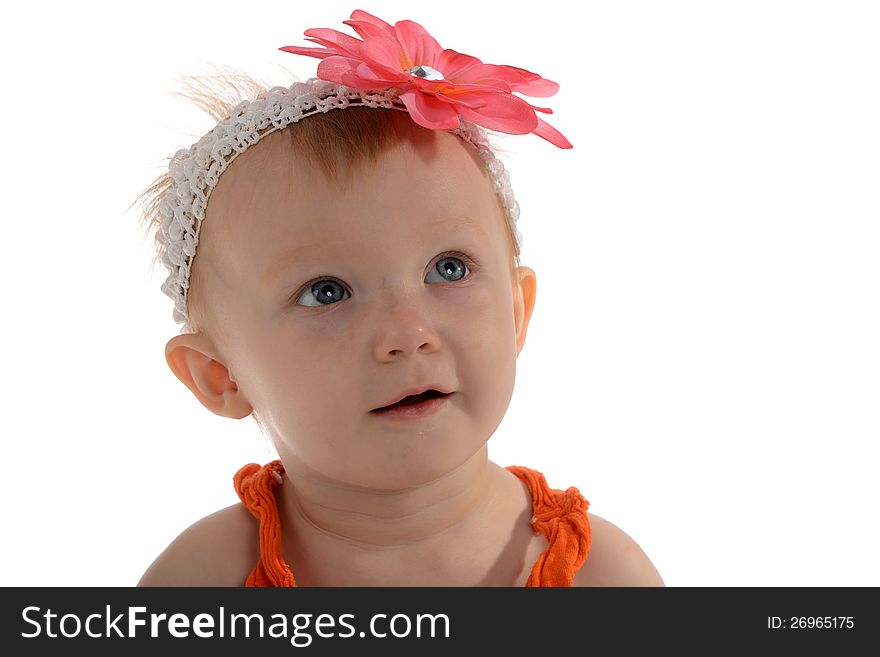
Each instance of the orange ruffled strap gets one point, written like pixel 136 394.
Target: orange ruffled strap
pixel 255 485
pixel 562 517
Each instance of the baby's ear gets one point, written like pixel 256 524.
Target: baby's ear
pixel 194 360
pixel 525 288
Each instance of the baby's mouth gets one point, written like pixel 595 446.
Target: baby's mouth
pixel 413 399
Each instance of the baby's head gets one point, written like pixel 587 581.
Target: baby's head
pixel 346 258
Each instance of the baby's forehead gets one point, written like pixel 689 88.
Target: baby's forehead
pixel 270 197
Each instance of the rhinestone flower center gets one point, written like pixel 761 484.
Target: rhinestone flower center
pixel 425 72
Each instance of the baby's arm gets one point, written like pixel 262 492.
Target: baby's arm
pixel 218 550
pixel 615 559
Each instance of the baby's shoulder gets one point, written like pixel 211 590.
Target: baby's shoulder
pixel 219 550
pixel 615 559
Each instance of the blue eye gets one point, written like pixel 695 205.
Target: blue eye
pixel 447 267
pixel 326 291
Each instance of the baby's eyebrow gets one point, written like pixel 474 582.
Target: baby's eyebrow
pixel 294 256
pixel 288 259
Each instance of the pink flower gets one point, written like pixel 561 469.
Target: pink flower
pixel 437 86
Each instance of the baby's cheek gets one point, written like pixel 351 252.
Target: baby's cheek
pixel 489 367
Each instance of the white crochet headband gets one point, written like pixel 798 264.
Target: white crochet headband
pixel 195 172
pixel 399 67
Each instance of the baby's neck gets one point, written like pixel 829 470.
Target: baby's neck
pixel 456 531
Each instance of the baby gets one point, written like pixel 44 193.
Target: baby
pixel 358 292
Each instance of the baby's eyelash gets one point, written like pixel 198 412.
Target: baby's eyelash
pixel 472 262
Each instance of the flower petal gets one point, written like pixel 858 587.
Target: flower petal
pixel 367 25
pixel 456 65
pixel 336 68
pixel 335 39
pixel 485 74
pixel 551 134
pixel 483 85
pixel 377 78
pixel 419 47
pixel 546 110
pixel 464 68
pixel 467 98
pixel 503 113
pixel 382 51
pixel 430 112
pixel 309 52
pixel 526 82
pixel 353 73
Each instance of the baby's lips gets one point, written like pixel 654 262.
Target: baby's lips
pixel 418 390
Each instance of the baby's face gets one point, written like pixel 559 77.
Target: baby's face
pixel 332 304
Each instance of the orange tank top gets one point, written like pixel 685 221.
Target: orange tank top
pixel 560 515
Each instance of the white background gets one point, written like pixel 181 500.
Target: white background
pixel 703 359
